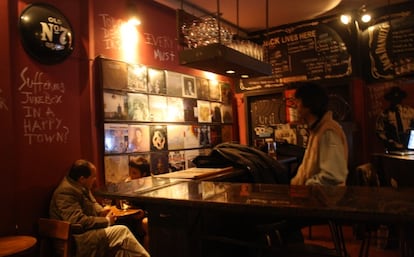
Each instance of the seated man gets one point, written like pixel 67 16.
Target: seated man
pixel 73 201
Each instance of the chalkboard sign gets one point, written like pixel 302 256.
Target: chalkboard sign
pixel 318 49
pixel 265 112
pixel 389 43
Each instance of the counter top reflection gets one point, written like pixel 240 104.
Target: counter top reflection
pixel 349 203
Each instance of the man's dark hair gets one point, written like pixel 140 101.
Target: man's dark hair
pixel 80 168
pixel 313 97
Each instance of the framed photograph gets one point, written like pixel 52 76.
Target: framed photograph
pixel 138 107
pixel 115 105
pixel 156 81
pixel 138 138
pixel 158 138
pixel 174 83
pixel 202 85
pixel 189 89
pixel 116 138
pixel 137 78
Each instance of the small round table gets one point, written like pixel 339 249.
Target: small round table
pixel 10 245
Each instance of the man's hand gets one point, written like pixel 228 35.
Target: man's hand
pixel 111 217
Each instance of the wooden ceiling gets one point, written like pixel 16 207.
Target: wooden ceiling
pixel 251 15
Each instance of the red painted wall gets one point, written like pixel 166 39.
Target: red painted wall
pixel 31 165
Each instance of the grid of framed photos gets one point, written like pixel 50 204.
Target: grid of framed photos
pixel 159 118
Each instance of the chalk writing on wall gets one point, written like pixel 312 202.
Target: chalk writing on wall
pixel 164 46
pixel 3 105
pixel 110 27
pixel 39 98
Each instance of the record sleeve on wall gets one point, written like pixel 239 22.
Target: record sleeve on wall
pixel 156 81
pixel 205 135
pixel 138 109
pixel 214 90
pixel 215 134
pixel 116 138
pixel 227 113
pixel 141 164
pixel 216 112
pixel 189 157
pixel 226 93
pixel 116 169
pixel 158 107
pixel 204 111
pixel 176 134
pixel 174 83
pixel 176 161
pixel 115 105
pixel 137 78
pixel 114 74
pixel 189 88
pixel 159 163
pixel 139 138
pixel 190 110
pixel 158 135
pixel 202 86
pixel 175 109
pixel 192 136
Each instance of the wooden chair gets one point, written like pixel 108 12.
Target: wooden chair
pixel 55 237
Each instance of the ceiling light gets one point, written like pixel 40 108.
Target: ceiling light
pixel 366 17
pixel 230 71
pixel 346 18
pixel 244 76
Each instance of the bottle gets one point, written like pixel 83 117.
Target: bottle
pixel 271 149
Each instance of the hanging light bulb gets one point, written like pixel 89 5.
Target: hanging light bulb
pixel 346 18
pixel 365 16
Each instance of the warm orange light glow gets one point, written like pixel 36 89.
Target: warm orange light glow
pixel 129 42
pixel 210 75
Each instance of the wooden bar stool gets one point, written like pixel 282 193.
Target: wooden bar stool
pixel 16 245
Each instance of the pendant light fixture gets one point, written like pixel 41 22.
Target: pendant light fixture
pixel 217 53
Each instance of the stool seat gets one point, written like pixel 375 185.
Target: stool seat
pixel 12 245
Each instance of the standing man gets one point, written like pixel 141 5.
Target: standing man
pixel 326 157
pixel 73 201
pixel 393 123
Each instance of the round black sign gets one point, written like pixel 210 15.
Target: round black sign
pixel 45 33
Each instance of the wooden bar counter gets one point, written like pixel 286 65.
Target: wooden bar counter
pixel 181 211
